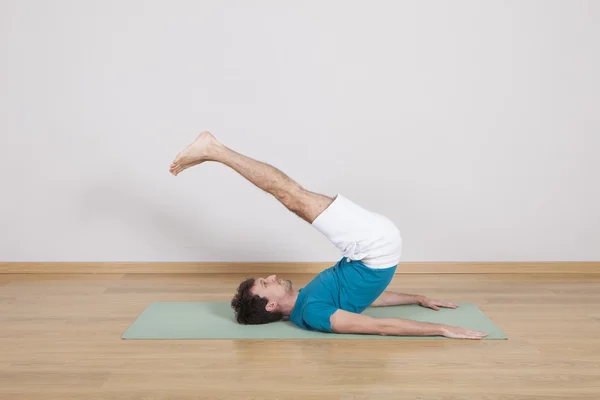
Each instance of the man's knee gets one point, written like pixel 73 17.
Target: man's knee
pixel 290 196
pixel 295 200
pixel 305 204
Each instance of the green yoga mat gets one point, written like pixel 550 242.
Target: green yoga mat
pixel 177 320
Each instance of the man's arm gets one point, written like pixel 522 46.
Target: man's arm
pixel 396 299
pixel 347 322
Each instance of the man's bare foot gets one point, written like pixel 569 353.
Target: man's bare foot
pixel 197 152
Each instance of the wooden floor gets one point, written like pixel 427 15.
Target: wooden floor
pixel 60 339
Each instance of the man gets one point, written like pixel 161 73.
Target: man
pixel 334 300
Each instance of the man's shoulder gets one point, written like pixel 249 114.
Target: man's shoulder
pixel 313 312
pixel 317 292
pixel 322 285
pixel 314 301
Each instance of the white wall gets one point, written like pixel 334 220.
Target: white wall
pixel 473 125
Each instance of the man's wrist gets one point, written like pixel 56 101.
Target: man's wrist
pixel 440 329
pixel 420 299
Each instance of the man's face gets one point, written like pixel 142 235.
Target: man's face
pixel 272 288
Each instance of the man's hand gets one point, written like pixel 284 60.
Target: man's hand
pixel 347 322
pixel 455 332
pixel 435 304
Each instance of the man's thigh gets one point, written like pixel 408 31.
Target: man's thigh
pixel 360 234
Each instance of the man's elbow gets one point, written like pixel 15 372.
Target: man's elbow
pixel 374 327
pixel 377 303
pixel 382 327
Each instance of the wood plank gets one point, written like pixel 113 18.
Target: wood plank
pixel 293 267
pixel 60 339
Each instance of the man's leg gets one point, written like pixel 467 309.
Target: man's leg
pixel 307 205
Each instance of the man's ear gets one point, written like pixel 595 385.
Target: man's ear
pixel 270 307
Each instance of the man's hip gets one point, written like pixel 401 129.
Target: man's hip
pixel 360 234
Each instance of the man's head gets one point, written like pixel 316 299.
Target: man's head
pixel 262 300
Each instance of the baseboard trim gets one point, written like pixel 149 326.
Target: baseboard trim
pixel 292 267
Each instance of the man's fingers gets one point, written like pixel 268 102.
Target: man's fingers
pixel 477 334
pixel 473 337
pixel 463 333
pixel 443 303
pixel 470 334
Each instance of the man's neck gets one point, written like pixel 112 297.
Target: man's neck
pixel 287 304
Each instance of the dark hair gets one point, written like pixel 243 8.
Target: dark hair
pixel 250 308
